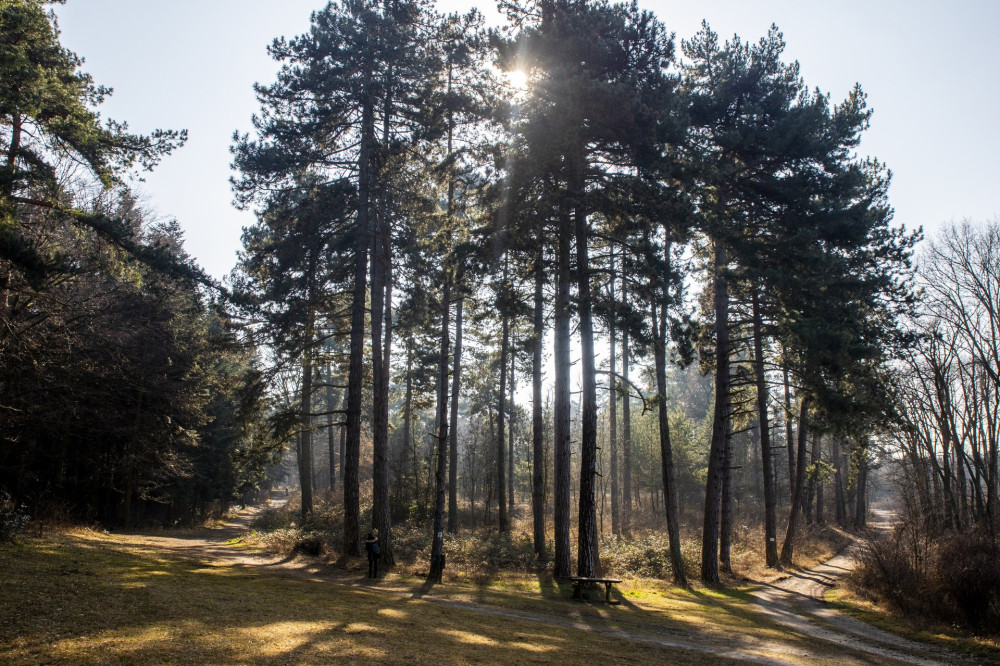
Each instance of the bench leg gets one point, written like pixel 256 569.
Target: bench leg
pixel 607 593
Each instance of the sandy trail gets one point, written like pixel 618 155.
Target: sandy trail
pixel 795 602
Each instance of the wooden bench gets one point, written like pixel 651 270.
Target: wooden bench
pixel 581 582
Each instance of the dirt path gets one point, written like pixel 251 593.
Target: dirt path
pixel 795 602
pixel 214 545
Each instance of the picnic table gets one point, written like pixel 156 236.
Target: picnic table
pixel 582 582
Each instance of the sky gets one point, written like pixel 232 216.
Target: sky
pixel 929 69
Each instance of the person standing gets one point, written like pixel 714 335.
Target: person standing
pixel 372 547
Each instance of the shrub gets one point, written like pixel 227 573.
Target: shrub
pixel 309 543
pixel 896 569
pixel 969 569
pixel 13 517
pixel 648 556
pixel 271 519
pixel 953 576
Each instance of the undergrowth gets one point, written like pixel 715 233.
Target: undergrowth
pixel 953 576
pixel 485 552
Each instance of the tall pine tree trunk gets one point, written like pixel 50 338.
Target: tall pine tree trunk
pixel 616 526
pixel 726 506
pixel 626 436
pixel 561 445
pixel 437 544
pixel 510 436
pixel 502 518
pixel 839 497
pixel 408 444
pixel 381 336
pixel 817 478
pixel 352 454
pixel 456 375
pixel 788 547
pixel 720 421
pixel 343 435
pixel 331 450
pixel 861 503
pixel 537 420
pixel 588 561
pixel 789 439
pixel 666 453
pixel 305 424
pixel 770 496
pixel 381 517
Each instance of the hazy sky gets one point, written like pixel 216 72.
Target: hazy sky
pixel 930 70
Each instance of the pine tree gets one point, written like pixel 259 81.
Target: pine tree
pixel 290 259
pixel 348 101
pixel 48 110
pixel 596 69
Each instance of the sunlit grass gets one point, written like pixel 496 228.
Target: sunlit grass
pixel 90 597
pixel 85 597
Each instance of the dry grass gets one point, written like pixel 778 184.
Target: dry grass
pixel 884 617
pixel 81 596
pixel 483 553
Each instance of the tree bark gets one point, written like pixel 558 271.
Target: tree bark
pixel 626 436
pixel 726 506
pixel 305 424
pixel 362 231
pixel 561 445
pixel 817 478
pixel 788 547
pixel 510 435
pixel 537 422
pixel 666 453
pixel 502 519
pixel 456 375
pixel 861 504
pixel 437 544
pixel 331 449
pixel 616 526
pixel 764 427
pixel 408 443
pixel 720 421
pixel 588 561
pixel 381 517
pixel 789 439
pixel 840 507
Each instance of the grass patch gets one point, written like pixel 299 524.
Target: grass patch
pixel 82 596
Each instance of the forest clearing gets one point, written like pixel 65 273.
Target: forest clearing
pixel 202 597
pixel 528 304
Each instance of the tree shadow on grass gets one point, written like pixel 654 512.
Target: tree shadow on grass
pixel 94 600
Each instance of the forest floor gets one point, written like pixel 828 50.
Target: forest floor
pixel 202 596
